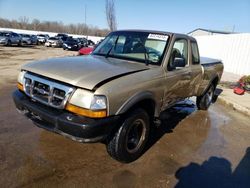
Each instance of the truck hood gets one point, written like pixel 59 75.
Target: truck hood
pixel 85 72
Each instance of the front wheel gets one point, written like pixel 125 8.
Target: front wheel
pixel 204 101
pixel 129 141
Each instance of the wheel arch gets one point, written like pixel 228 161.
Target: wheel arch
pixel 213 82
pixel 143 100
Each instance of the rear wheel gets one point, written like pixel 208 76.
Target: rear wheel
pixel 129 141
pixel 203 102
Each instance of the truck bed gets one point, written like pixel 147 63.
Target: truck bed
pixel 206 61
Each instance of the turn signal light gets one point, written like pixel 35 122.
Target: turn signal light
pixel 86 112
pixel 20 86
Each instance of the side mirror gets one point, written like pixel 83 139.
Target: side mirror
pixel 179 62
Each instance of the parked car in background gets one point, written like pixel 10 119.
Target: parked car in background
pixel 91 43
pixel 9 38
pixel 34 39
pixel 86 50
pixel 42 38
pixel 26 39
pixel 72 44
pixel 89 49
pixel 84 42
pixel 63 36
pixel 54 42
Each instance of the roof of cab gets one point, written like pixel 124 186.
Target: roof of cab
pixel 158 32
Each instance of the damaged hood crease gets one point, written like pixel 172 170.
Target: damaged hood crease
pixel 89 72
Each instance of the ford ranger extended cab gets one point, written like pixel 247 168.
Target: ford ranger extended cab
pixel 117 93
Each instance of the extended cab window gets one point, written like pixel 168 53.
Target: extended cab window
pixel 195 53
pixel 179 55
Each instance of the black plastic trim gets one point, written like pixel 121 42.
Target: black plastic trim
pixel 77 128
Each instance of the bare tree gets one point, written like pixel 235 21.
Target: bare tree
pixel 52 26
pixel 110 14
pixel 35 24
pixel 24 21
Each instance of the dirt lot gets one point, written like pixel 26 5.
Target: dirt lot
pixel 189 149
pixel 11 59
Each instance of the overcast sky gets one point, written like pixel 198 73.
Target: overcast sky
pixel 168 15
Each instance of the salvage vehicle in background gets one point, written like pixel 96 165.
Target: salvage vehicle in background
pixel 91 43
pixel 86 50
pixel 34 39
pixel 54 42
pixel 116 94
pixel 84 42
pixel 9 38
pixel 42 38
pixel 26 39
pixel 63 36
pixel 72 44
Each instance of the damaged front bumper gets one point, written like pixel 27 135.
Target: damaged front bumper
pixel 78 128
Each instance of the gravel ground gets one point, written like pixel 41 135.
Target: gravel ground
pixel 12 58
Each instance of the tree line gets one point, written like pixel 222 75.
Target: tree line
pixel 53 26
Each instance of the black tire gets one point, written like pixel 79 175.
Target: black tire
pixel 204 101
pixel 128 143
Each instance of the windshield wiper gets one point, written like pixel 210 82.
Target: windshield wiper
pixel 112 47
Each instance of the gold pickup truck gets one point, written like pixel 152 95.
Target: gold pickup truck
pixel 115 94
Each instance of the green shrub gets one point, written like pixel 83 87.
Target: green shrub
pixel 247 79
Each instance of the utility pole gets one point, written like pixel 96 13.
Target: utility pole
pixel 233 28
pixel 85 17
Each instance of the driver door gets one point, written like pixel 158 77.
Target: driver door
pixel 178 73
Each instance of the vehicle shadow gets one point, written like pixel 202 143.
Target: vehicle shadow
pixel 215 172
pixel 169 119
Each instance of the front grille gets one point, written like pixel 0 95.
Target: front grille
pixel 46 91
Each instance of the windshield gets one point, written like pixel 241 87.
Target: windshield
pixel 131 45
pixel 53 38
pixel 72 40
pixel 4 34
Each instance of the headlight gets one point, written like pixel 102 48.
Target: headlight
pixel 20 80
pixel 87 104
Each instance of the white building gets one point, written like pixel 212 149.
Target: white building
pixel 232 49
pixel 206 32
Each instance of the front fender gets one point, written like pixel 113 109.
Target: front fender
pixel 134 99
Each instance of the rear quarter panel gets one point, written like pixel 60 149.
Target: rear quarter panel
pixel 211 71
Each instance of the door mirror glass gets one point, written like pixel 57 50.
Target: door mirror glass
pixel 179 55
pixel 179 62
